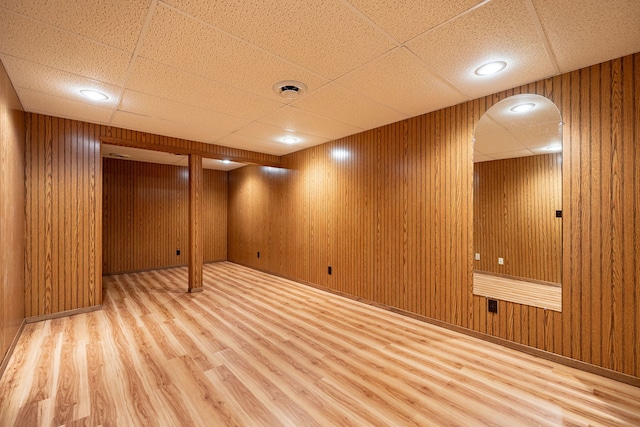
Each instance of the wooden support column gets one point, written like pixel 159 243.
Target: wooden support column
pixel 195 223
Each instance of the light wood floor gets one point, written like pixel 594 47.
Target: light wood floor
pixel 256 350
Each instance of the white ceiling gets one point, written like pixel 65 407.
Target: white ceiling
pixel 503 133
pixel 204 69
pixel 149 156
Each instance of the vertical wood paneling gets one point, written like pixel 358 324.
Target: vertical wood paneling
pixel 63 243
pixel 515 204
pixel 12 213
pixel 195 223
pixel 402 204
pixel 315 200
pixel 63 206
pixel 145 216
pixel 214 210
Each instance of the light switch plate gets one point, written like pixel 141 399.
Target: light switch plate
pixel 477 257
pixel 501 261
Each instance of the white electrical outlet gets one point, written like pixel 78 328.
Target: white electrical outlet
pixel 501 261
pixel 477 257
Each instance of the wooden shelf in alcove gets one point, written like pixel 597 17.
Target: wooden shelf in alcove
pixel 536 294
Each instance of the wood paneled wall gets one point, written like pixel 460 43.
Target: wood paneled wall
pixel 214 215
pixel 63 244
pixel 12 136
pixel 64 209
pixel 394 218
pixel 146 216
pixel 515 203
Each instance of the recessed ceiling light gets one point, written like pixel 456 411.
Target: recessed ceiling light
pixel 490 68
pixel 119 155
pixel 290 89
pixel 289 140
pixel 226 161
pixel 521 108
pixel 553 148
pixel 94 95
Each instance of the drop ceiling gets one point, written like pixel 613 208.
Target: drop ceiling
pixel 204 70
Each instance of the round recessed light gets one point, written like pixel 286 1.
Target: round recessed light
pixel 226 161
pixel 290 89
pixel 119 155
pixel 490 68
pixel 289 140
pixel 521 108
pixel 94 95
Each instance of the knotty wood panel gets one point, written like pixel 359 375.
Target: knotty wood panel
pixel 282 354
pixel 146 217
pixel 394 218
pixel 12 136
pixel 515 201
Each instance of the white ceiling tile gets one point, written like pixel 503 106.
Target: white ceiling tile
pixel 290 117
pixel 502 130
pixel 140 155
pixel 114 22
pixel 499 30
pixel 148 105
pixel 150 156
pixel 184 43
pixel 540 135
pixel 339 103
pixel 47 80
pixel 251 143
pixel 512 154
pixel 491 137
pixel 40 43
pixel 216 164
pixel 478 158
pixel 205 69
pixel 43 103
pixel 167 82
pixel 400 80
pixel 544 111
pixel 405 19
pixel 587 32
pixel 276 134
pixel 296 32
pixel 202 133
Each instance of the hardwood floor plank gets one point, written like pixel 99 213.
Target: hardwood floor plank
pixel 254 349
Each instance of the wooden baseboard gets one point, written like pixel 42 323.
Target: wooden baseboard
pixel 7 356
pixel 34 319
pixel 563 360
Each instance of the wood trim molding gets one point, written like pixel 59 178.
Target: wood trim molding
pixel 563 360
pixel 209 151
pixel 196 240
pixel 34 319
pixel 7 356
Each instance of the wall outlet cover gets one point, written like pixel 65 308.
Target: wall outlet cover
pixel 492 306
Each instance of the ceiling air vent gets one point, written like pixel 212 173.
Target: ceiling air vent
pixel 290 89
